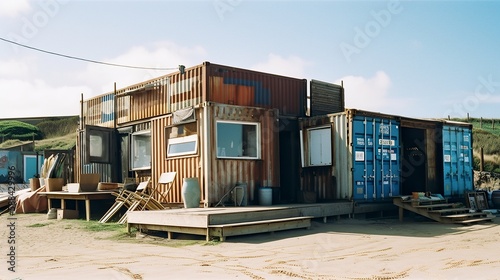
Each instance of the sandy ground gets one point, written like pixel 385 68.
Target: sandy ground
pixel 340 249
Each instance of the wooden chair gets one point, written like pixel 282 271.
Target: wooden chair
pixel 128 199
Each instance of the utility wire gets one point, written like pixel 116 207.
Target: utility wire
pixel 84 59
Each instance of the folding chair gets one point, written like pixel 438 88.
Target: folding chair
pixel 125 198
pixel 166 178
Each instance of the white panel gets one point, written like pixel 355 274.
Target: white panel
pixel 320 146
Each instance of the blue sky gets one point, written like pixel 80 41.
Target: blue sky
pixel 422 59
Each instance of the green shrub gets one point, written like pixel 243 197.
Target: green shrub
pixel 19 130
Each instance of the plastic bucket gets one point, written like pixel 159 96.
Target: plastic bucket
pixel 265 196
pixel 191 193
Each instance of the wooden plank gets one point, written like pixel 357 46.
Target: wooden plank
pixel 169 229
pixel 223 231
pixel 450 210
pixel 465 215
pixel 431 206
pixel 249 216
pixel 260 222
pixel 474 220
pixel 167 218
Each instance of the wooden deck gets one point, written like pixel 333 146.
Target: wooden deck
pixel 231 221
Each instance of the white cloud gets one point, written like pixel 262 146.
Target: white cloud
pixel 371 94
pixel 292 66
pixel 13 8
pixel 36 98
pixel 161 55
pixel 14 68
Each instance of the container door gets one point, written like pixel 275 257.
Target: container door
pixel 375 158
pixel 457 161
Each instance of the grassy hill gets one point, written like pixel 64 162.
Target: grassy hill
pixel 57 133
pixel 486 135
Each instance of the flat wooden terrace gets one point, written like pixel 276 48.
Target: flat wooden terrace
pixel 223 222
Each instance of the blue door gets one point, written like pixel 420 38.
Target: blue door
pixel 457 161
pixel 31 168
pixel 375 158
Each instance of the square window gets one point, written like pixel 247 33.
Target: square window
pixel 238 140
pixel 316 149
pixel 182 139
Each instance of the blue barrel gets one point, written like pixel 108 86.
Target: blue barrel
pixel 191 193
pixel 265 196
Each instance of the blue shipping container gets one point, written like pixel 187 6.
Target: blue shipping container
pixel 375 157
pixel 457 160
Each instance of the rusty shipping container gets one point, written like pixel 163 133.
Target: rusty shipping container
pixel 223 97
pixel 206 82
pixel 217 160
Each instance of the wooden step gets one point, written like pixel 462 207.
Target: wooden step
pixel 432 206
pixel 450 210
pixel 471 221
pixel 465 215
pixel 224 230
pixel 428 202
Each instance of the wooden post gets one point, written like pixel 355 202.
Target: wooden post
pixel 481 159
pixel 467 117
pixel 481 122
pixel 493 124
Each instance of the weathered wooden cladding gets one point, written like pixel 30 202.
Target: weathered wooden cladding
pixel 230 85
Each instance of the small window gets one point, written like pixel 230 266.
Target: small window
pixel 182 139
pixel 98 144
pixel 182 146
pixel 238 140
pixel 141 150
pixel 317 147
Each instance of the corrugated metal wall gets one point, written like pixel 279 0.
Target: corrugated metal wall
pixel 319 179
pixel 230 85
pixel 225 173
pixel 204 82
pixel 99 110
pixel 186 167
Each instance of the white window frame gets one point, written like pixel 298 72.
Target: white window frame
pixel 133 150
pixel 183 139
pixel 257 140
pixel 324 150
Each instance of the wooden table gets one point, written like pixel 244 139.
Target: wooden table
pixel 87 196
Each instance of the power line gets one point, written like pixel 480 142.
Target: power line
pixel 84 59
